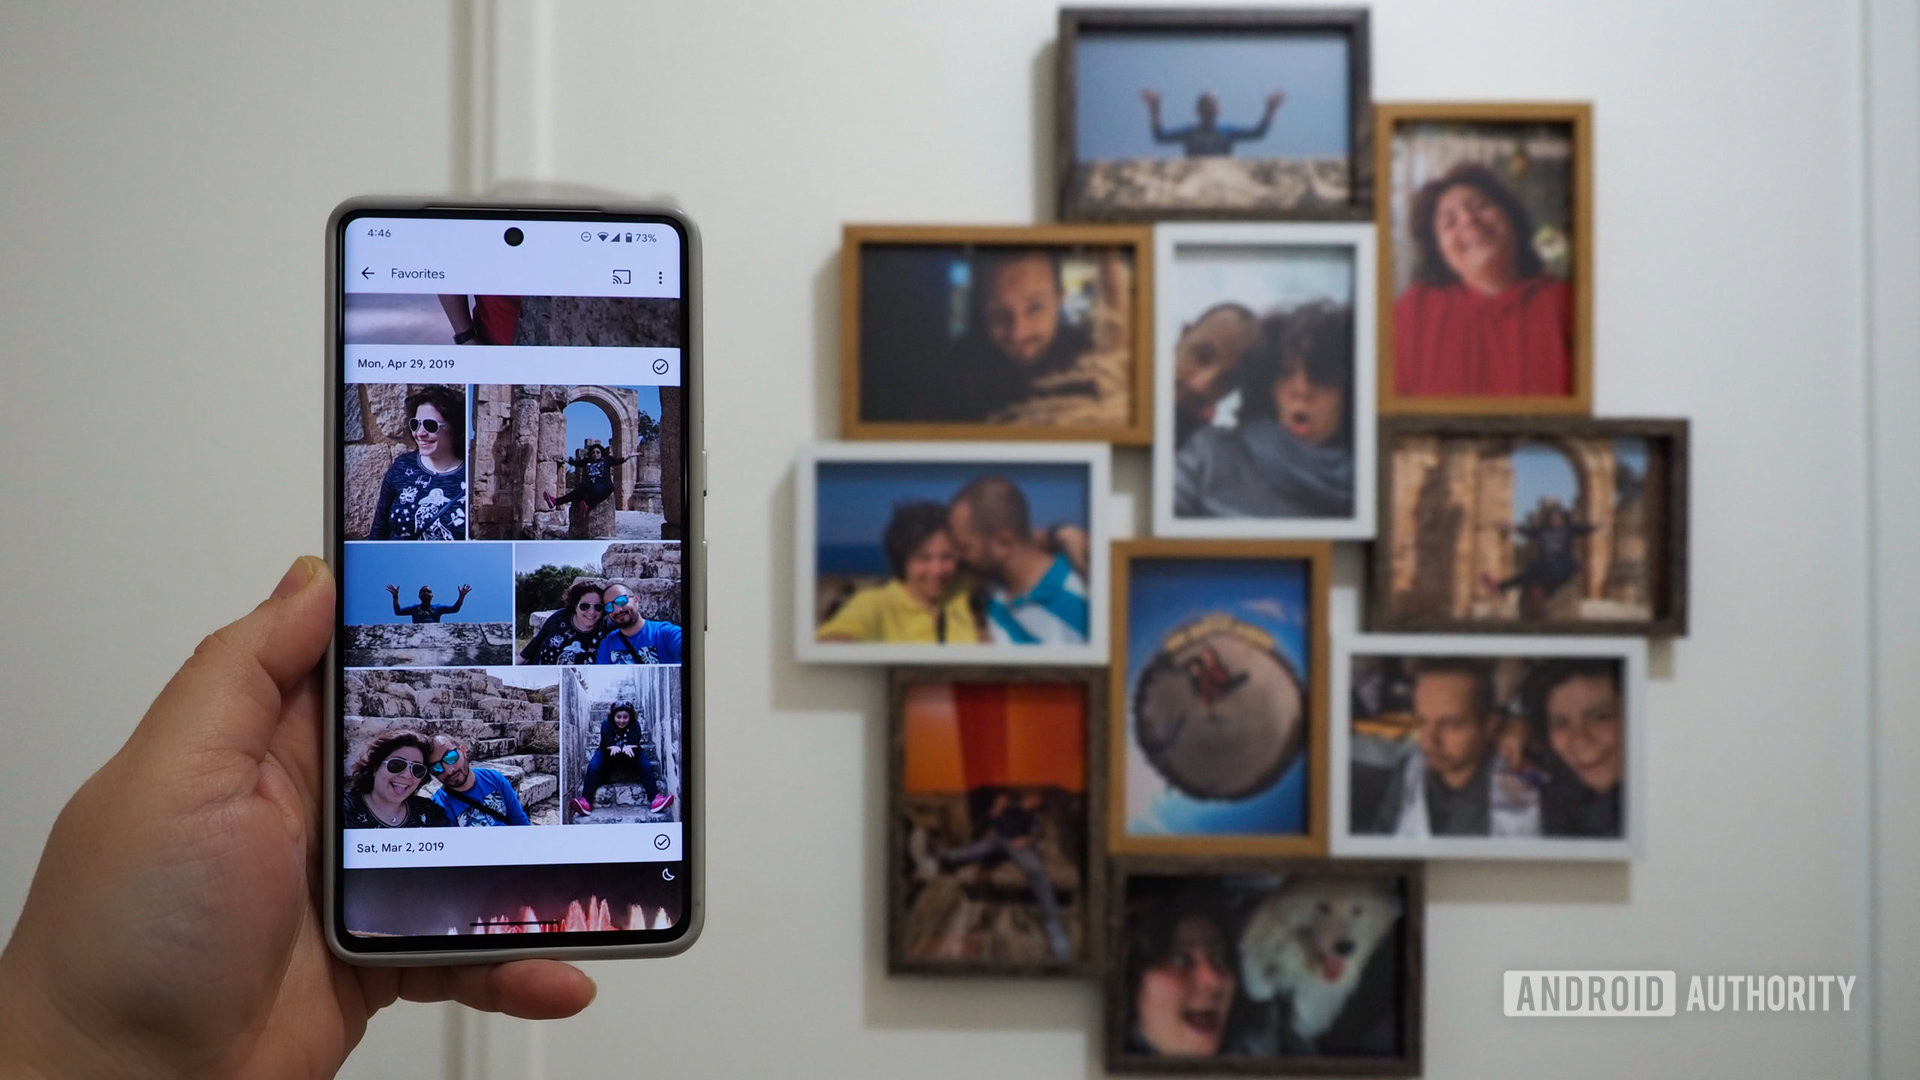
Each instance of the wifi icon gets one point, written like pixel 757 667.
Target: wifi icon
pixel 603 236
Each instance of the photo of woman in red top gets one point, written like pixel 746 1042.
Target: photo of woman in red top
pixel 1482 316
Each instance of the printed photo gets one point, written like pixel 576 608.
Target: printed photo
pixel 996 333
pixel 1290 967
pixel 1478 747
pixel 466 747
pixel 405 461
pixel 1485 237
pixel 1219 707
pixel 1564 525
pixel 1263 381
pixel 555 462
pixel 623 761
pixel 561 898
pixel 425 319
pixel 992 850
pixel 596 603
pixel 1254 114
pixel 427 605
pixel 950 555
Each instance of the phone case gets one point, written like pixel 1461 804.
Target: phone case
pixel 694 562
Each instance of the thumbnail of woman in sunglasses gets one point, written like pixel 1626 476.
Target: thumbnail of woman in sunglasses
pixel 382 788
pixel 424 494
pixel 572 634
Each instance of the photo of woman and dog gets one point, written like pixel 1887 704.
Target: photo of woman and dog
pixel 1313 962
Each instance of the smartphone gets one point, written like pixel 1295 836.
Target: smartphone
pixel 514 504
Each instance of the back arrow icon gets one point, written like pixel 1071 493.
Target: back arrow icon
pixel 367 272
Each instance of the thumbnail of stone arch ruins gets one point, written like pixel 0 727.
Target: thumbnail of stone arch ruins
pixel 520 456
pixel 1534 530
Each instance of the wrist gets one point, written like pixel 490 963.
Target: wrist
pixel 42 1040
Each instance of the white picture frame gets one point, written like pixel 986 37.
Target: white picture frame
pixel 1356 238
pixel 1095 458
pixel 1631 652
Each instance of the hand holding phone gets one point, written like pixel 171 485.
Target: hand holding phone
pixel 201 887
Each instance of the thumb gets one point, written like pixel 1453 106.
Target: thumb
pixel 226 698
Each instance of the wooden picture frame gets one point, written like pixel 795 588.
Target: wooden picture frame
pixel 1092 460
pixel 1578 117
pixel 856 240
pixel 1411 879
pixel 1631 656
pixel 1093 868
pixel 1351 23
pixel 1312 841
pixel 1664 540
pixel 1169 315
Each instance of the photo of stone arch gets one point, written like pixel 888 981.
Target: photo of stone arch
pixel 576 462
pixel 1543 525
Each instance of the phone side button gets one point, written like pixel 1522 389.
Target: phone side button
pixel 706 620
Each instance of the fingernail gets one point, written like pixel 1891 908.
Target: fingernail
pixel 296 576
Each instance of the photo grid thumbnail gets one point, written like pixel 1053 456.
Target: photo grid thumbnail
pixel 512 638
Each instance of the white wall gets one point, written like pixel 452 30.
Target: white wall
pixel 179 405
pixel 1893 360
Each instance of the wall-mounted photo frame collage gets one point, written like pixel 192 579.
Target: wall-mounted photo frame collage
pixel 1165 761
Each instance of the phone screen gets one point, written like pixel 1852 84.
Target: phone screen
pixel 512 514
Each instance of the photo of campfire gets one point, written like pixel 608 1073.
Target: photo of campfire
pixel 441 901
